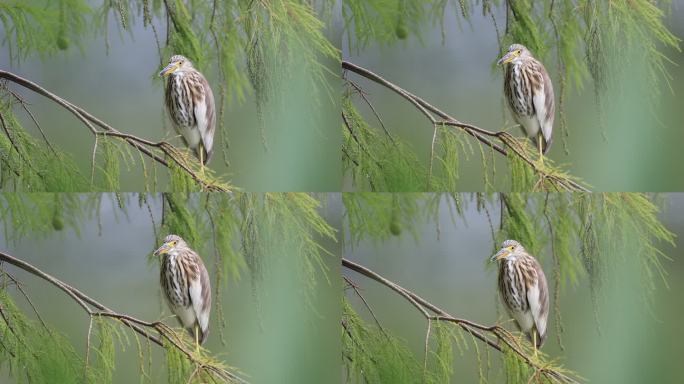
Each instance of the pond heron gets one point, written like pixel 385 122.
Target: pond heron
pixel 523 290
pixel 186 286
pixel 190 103
pixel 529 93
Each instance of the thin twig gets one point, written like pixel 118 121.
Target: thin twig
pixel 432 155
pixel 24 104
pixel 87 358
pixel 28 299
pixel 362 93
pixel 365 302
pixel 425 352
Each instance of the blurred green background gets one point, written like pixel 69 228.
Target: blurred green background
pixel 638 150
pixel 121 86
pixel 275 339
pixel 633 345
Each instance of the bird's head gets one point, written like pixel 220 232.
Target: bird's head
pixel 171 244
pixel 508 248
pixel 515 52
pixel 177 64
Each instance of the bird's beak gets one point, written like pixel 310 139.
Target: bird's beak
pixel 171 68
pixel 162 250
pixel 507 58
pixel 500 255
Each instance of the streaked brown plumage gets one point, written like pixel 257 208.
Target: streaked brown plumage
pixel 523 290
pixel 190 103
pixel 529 95
pixel 186 285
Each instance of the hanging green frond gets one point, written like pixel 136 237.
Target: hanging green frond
pixel 103 351
pixel 27 164
pixel 42 26
pixel 225 226
pixel 180 218
pixel 376 161
pixel 294 220
pixel 441 361
pixel 180 180
pixel 450 146
pixel 524 29
pixel 621 225
pixel 379 215
pixel 178 367
pixel 34 354
pixel 522 175
pixel 39 214
pixel 110 166
pixel 372 356
pixel 387 21
pixel 515 368
pixel 518 224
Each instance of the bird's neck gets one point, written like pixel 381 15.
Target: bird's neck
pixel 510 260
pixel 179 73
pixel 170 255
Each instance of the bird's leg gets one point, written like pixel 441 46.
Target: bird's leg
pixel 539 145
pixel 201 155
pixel 196 338
pixel 534 342
pixel 201 158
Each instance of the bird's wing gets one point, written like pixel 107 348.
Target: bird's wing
pixel 543 100
pixel 206 118
pixel 538 300
pixel 169 101
pixel 200 297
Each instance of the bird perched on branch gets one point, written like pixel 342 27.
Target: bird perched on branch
pixel 529 94
pixel 523 290
pixel 190 103
pixel 186 286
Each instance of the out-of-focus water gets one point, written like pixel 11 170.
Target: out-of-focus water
pixel 456 74
pixel 277 338
pixel 452 272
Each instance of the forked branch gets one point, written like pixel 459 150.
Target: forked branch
pixel 156 332
pixel 493 336
pixel 506 142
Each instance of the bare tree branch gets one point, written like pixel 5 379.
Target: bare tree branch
pixel 157 332
pixel 508 142
pixel 492 336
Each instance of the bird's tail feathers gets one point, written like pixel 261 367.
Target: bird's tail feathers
pixel 546 144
